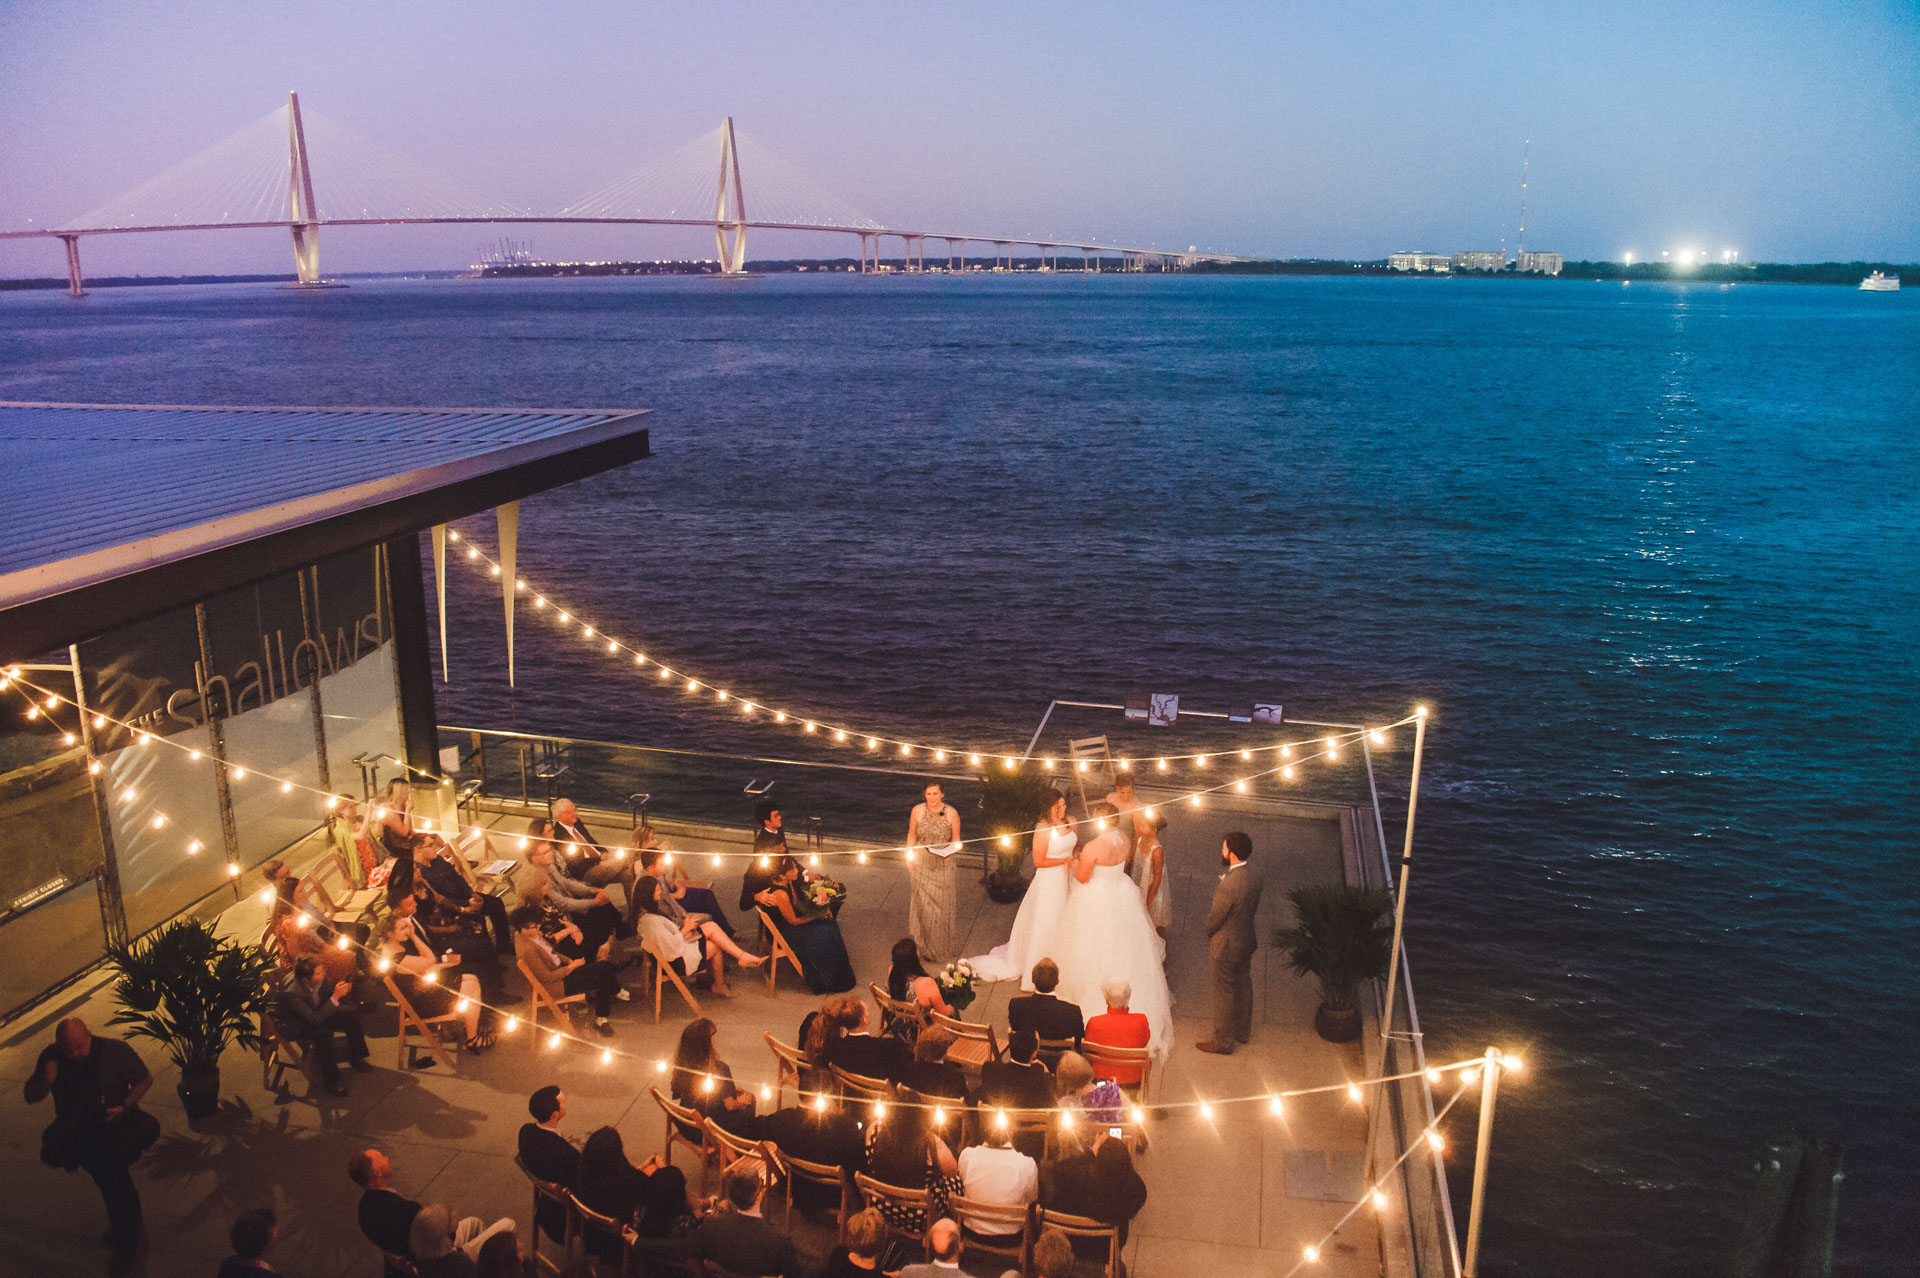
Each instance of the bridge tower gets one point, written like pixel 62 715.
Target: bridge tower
pixel 300 208
pixel 729 231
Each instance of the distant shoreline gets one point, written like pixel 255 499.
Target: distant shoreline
pixel 1847 274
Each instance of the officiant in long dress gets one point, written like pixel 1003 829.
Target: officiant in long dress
pixel 933 834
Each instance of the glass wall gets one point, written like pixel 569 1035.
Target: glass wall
pixel 286 682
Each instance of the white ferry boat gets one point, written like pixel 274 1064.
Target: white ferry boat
pixel 1880 282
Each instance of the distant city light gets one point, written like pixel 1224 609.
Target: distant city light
pixel 1628 259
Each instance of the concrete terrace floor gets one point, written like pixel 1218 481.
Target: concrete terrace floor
pixel 1219 1194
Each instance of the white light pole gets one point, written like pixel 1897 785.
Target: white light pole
pixel 1406 861
pixel 1492 1065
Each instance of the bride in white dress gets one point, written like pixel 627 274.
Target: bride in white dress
pixel 1106 932
pixel 1036 929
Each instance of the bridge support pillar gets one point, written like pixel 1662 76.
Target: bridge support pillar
pixel 76 286
pixel 300 207
pixel 730 233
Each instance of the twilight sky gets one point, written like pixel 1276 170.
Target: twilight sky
pixel 1787 131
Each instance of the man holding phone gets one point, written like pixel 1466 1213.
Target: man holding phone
pixel 313 1013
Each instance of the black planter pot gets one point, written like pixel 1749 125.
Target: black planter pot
pixel 1337 1025
pixel 199 1089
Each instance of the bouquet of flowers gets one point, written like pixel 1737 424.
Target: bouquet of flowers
pixel 956 984
pixel 825 892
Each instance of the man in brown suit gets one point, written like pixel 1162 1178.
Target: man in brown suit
pixel 1230 944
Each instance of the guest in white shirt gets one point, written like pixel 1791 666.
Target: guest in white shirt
pixel 943 1240
pixel 999 1174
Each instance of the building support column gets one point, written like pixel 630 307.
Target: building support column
pixel 412 658
pixel 113 910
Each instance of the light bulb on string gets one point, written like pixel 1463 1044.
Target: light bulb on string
pixel 99 722
pixel 939 756
pixel 587 632
pixel 820 1103
pixel 1278 1107
pixel 453 534
pixel 1436 1140
pixel 1009 762
pixel 1377 737
pixel 1287 772
pixel 779 716
pixel 1379 1201
pixel 193 847
pixel 512 1024
pixel 93 767
pixel 612 646
pixel 1470 1075
pixel 1047 763
pixel 639 658
pixel 496 570
pixel 1353 1093
pixel 811 727
pixel 540 602
pixel 1206 1111
pixel 1200 761
pixel 472 553
pixel 606 1056
pixel 659 1067
pixel 67 738
pixel 839 734
pixel 1312 1253
pixel 566 617
pixel 233 870
pixel 872 742
pixel 1161 764
pixel 193 755
pixel 1286 752
pixel 286 787
pixel 53 703
pixel 973 759
pixel 863 858
pixel 553 1043
pixel 716 860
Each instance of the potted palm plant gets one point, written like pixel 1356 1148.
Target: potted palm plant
pixel 1341 937
pixel 193 993
pixel 1010 803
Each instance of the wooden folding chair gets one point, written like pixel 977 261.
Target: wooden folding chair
pixel 538 997
pixel 789 1064
pixel 279 1053
pixel 547 1191
pixel 1011 1235
pixel 973 1045
pixel 593 1226
pixel 681 1120
pixel 663 971
pixel 1091 751
pixel 413 1025
pixel 731 1151
pixel 860 1087
pixel 1049 1051
pixel 875 1191
pixel 1083 1227
pixel 472 848
pixel 892 1009
pixel 398 1265
pixel 779 949
pixel 824 1174
pixel 1127 1059
pixel 344 903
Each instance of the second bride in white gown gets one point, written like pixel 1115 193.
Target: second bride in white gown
pixel 1106 932
pixel 1036 928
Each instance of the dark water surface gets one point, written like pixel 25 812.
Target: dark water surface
pixel 1649 552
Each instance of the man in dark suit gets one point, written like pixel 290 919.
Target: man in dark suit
pixel 549 1155
pixel 587 859
pixel 769 846
pixel 859 1052
pixel 738 1239
pixel 312 1012
pixel 1041 1012
pixel 1230 945
pixel 1019 1082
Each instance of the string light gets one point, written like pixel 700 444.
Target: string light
pixel 1278 1106
pixel 193 847
pixel 1353 1093
pixel 606 1056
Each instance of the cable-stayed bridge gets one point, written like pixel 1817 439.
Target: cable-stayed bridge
pixel 301 172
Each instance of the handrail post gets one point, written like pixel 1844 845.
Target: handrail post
pixel 1489 1089
pixel 1406 861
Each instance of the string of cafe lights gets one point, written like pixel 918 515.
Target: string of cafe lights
pixel 44 701
pixel 759 711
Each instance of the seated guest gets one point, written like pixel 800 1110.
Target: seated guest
pixel 691 942
pixel 560 976
pixel 501 1257
pixel 1053 1255
pixel 865 1239
pixel 435 1254
pixel 827 1138
pixel 1118 1027
pixel 589 907
pixel 809 929
pixel 585 857
pixel 770 848
pixel 252 1235
pixel 433 862
pixel 737 1239
pixel 1101 1185
pixel 1019 1082
pixel 1041 1012
pixel 445 928
pixel 931 1073
pixel 310 1010
pixel 943 1244
pixel 1097 1100
pixel 545 1153
pixel 997 1173
pixel 651 1198
pixel 858 1052
pixel 390 822
pixel 820 1029
pixel 908 982
pixel 704 1083
pixel 302 935
pixel 430 985
pixel 686 896
pixel 387 1219
pixel 906 1151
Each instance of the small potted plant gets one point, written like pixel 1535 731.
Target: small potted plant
pixel 1010 804
pixel 193 993
pixel 1341 938
pixel 956 985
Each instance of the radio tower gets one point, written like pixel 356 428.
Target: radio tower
pixel 1526 158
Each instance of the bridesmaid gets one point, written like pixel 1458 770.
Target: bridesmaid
pixel 930 910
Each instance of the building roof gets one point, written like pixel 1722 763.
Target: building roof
pixel 110 512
